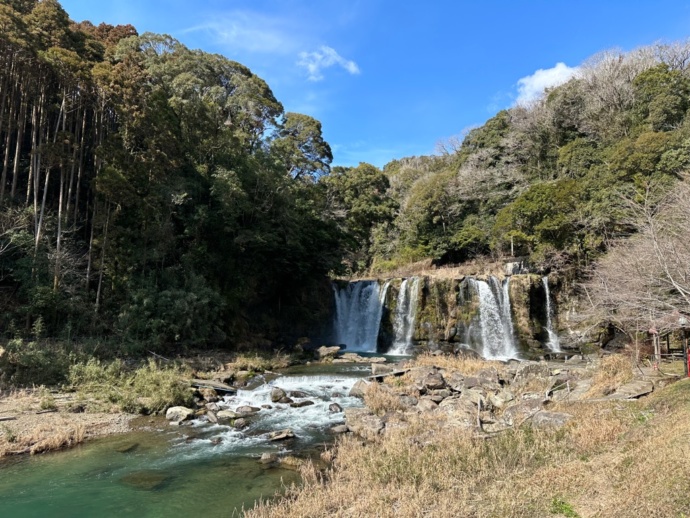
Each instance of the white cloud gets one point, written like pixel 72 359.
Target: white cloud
pixel 530 88
pixel 245 31
pixel 324 57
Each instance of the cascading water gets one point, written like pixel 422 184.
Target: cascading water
pixel 405 316
pixel 498 341
pixel 358 309
pixel 553 343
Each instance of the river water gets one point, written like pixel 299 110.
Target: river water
pixel 200 468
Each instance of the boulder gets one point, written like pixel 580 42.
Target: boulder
pixel 301 404
pixel 408 401
pixel 379 368
pixel 455 381
pixel 212 418
pixel 358 389
pixel 212 407
pixel 227 414
pixel 434 381
pixel 632 390
pixel 240 423
pixel 419 374
pixel 516 414
pixel 528 370
pixel 362 422
pixel 324 353
pixel 247 410
pixel 277 394
pixel 341 428
pixel 460 411
pixel 501 398
pixel 298 394
pixel 426 405
pixel 179 413
pixel 285 400
pixel 545 419
pixel 335 407
pixel 281 435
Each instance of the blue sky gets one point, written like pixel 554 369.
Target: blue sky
pixel 388 78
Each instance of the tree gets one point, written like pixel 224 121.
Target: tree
pixel 300 146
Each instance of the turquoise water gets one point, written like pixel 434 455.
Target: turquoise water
pixel 198 468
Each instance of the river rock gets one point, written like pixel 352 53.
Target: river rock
pixel 301 404
pixel 335 407
pixel 277 394
pixel 286 400
pixel 324 353
pixel 544 419
pixel 362 422
pixel 268 458
pixel 341 428
pixel 179 413
pixel 298 394
pixel 148 480
pixel 379 368
pixel 240 423
pixel 212 407
pixel 358 389
pixel 227 414
pixel 212 418
pixel 127 448
pixel 281 435
pixel 247 410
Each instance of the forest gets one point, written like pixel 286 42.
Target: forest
pixel 154 197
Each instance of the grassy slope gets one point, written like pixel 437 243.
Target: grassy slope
pixel 615 459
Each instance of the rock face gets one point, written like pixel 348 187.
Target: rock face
pixel 179 413
pixel 448 316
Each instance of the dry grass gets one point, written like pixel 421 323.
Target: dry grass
pixel 612 459
pixel 259 362
pixel 381 399
pixel 463 364
pixel 44 437
pixel 613 371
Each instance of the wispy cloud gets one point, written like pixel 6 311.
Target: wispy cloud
pixel 245 31
pixel 325 57
pixel 531 87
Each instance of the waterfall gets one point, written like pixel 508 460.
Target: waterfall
pixel 358 309
pixel 553 343
pixel 405 316
pixel 498 340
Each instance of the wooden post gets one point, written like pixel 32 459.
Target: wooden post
pixel 685 353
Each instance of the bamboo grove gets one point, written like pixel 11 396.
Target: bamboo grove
pixel 150 193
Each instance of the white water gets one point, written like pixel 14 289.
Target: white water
pixel 498 341
pixel 358 310
pixel 405 316
pixel 554 343
pixel 309 423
